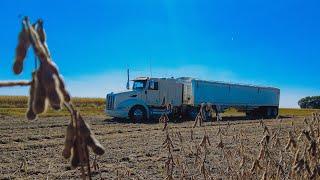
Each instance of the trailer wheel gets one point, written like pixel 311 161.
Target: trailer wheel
pixel 271 112
pixel 250 114
pixel 138 114
pixel 275 112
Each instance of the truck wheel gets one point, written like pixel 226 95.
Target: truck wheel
pixel 271 112
pixel 138 114
pixel 275 112
pixel 249 114
pixel 193 113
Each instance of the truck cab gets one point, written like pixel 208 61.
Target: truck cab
pixel 147 98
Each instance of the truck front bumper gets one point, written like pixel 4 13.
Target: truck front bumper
pixel 117 113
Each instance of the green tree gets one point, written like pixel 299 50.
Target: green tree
pixel 310 102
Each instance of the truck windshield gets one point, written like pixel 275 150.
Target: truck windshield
pixel 139 85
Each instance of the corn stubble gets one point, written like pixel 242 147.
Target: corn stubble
pixel 47 88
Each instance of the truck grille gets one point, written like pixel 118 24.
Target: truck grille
pixel 110 101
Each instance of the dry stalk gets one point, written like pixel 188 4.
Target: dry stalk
pixel 169 163
pixel 200 116
pixel 164 117
pixel 255 166
pixel 291 141
pixel 15 83
pixel 201 156
pixel 47 86
pixel 220 144
pixel 191 134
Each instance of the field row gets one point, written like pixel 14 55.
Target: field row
pixel 32 149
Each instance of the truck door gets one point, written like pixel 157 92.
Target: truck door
pixel 153 93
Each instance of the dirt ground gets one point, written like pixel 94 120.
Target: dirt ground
pixel 32 149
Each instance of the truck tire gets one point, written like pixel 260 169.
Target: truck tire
pixel 258 113
pixel 270 112
pixel 274 112
pixel 138 114
pixel 193 112
pixel 250 114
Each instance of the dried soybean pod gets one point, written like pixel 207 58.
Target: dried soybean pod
pixel 50 85
pixel 36 43
pixel 31 115
pixel 54 94
pixel 40 31
pixel 75 159
pixel 42 36
pixel 70 135
pixel 90 139
pixel 39 103
pixel 84 127
pixel 63 90
pixel 21 50
pixel 53 84
pixel 49 71
pixel 94 144
pixel 46 70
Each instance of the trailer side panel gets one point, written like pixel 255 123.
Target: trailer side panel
pixel 228 94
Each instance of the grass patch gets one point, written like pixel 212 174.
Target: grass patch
pixel 297 112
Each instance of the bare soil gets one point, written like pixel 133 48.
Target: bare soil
pixel 32 149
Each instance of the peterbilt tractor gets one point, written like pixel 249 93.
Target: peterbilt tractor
pixel 149 96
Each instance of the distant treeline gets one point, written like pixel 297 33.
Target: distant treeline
pixel 310 102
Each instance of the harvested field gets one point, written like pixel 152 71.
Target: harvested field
pixel 32 149
pixel 287 147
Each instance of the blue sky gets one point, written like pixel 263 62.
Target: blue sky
pixel 274 43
